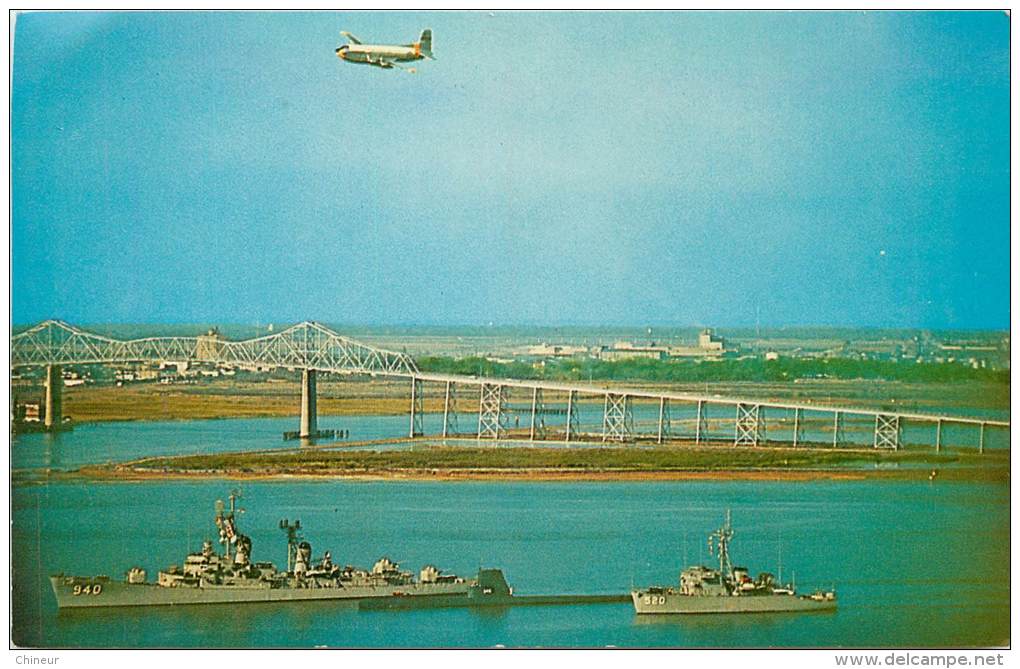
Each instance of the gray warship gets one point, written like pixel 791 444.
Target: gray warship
pixel 209 577
pixel 727 589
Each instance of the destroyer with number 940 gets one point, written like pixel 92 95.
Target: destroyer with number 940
pixel 209 577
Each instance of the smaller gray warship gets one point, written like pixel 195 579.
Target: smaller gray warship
pixel 728 589
pixel 232 577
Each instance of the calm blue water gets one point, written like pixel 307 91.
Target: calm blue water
pixel 93 443
pixel 915 564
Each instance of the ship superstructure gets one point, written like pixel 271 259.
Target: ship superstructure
pixel 209 577
pixel 727 589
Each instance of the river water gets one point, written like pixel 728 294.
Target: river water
pixel 915 564
pixel 94 443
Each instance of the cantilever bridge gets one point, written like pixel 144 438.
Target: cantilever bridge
pixel 306 345
pixel 315 348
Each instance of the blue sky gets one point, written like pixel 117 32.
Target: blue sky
pixel 567 168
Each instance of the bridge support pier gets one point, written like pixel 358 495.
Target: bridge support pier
pixel 309 428
pixel 700 428
pixel 981 442
pixel 796 427
pixel 617 421
pixel 490 411
pixel 449 411
pixel 417 408
pixel 938 437
pixel 750 429
pixel 887 432
pixel 664 422
pixel 537 415
pixel 54 407
pixel 571 417
pixel 837 429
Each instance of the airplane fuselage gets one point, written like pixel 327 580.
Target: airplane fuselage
pixel 377 54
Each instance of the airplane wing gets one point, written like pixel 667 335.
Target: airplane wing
pixel 351 38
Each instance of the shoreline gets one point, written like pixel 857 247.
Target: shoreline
pixel 136 474
pixel 513 462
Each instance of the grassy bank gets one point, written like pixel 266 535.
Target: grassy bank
pixel 152 402
pixel 475 462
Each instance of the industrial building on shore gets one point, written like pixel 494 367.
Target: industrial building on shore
pixel 709 347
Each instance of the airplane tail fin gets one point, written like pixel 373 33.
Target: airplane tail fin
pixel 426 43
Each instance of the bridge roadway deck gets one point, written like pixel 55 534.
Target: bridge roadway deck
pixel 312 346
pixel 591 389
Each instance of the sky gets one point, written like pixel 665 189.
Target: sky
pixel 582 168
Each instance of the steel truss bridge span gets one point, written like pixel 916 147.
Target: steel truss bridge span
pixel 306 345
pixel 746 415
pixel 646 394
pixel 313 348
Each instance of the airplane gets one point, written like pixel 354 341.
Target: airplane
pixel 386 56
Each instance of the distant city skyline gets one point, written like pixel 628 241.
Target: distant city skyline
pixel 846 169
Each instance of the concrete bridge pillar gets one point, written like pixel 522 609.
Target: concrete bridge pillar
pixel 54 398
pixel 309 419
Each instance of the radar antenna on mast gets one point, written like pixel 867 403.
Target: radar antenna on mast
pixel 722 538
pixel 293 538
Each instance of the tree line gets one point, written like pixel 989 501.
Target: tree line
pixel 686 371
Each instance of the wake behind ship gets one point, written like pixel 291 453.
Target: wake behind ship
pixel 209 577
pixel 728 589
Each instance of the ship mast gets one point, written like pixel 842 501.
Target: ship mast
pixel 230 520
pixel 221 528
pixel 780 560
pixel 292 540
pixel 722 538
pixel 225 524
